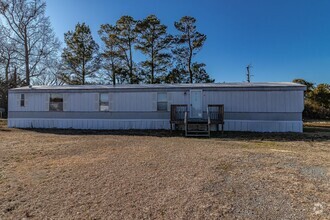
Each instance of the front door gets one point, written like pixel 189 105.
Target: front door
pixel 196 110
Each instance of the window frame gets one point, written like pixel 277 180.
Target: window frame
pixel 53 103
pixel 22 100
pixel 100 102
pixel 162 102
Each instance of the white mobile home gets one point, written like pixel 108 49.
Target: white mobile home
pixel 261 107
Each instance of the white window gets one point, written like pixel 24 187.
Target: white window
pixel 22 100
pixel 162 101
pixel 56 102
pixel 104 102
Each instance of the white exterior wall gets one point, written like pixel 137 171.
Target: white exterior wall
pixel 80 102
pixel 33 102
pixel 133 101
pixel 234 101
pixel 256 101
pixel 86 102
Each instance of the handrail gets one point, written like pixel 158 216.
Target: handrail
pixel 217 115
pixel 185 117
pixel 208 122
pixel 186 122
pixel 177 112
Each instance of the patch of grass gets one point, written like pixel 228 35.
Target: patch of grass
pixel 223 167
pixel 315 129
pixel 254 144
pixel 317 124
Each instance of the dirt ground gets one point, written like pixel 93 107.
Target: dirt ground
pixel 57 174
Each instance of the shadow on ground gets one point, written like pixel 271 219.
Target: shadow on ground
pixel 310 134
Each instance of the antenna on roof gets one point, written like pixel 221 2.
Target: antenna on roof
pixel 248 74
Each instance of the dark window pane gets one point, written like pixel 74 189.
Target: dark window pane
pixel 161 106
pixel 56 97
pixel 56 102
pixel 56 106
pixel 22 100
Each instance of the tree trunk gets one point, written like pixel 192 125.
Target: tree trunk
pixel 83 67
pixel 7 69
pixel 15 78
pixel 83 72
pixel 113 73
pixel 130 63
pixel 152 66
pixel 189 59
pixel 190 71
pixel 27 58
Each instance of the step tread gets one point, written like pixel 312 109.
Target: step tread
pixel 197 135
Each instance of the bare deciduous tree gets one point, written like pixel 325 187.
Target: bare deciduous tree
pixel 32 34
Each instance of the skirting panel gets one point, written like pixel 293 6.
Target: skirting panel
pixel 108 124
pixel 263 126
pixel 93 124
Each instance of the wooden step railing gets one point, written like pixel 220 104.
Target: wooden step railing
pixel 214 115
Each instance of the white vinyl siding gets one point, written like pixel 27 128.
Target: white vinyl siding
pixel 256 101
pixel 133 101
pixel 65 101
pixel 82 102
pixel 234 101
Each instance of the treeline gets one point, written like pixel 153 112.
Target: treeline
pixel 30 53
pixel 317 100
pixel 167 58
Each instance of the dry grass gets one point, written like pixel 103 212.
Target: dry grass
pixel 58 174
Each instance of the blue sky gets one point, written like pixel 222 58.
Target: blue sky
pixel 282 39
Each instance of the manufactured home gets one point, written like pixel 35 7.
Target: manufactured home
pixel 258 107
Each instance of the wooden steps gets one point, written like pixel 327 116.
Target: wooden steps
pixel 197 129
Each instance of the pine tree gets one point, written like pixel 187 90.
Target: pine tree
pixel 81 58
pixel 126 27
pixel 112 52
pixel 188 43
pixel 176 75
pixel 154 42
pixel 199 74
